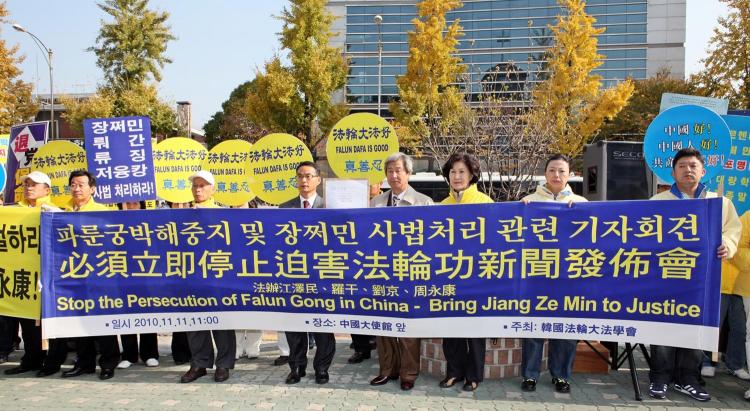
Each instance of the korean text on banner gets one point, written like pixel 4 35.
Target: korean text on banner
pixel 19 262
pixel 643 271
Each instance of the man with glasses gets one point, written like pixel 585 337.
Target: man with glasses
pixel 308 180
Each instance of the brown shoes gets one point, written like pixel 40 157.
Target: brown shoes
pixel 193 374
pixel 221 374
pixel 382 379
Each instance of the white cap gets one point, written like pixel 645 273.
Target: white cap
pixel 37 177
pixel 206 175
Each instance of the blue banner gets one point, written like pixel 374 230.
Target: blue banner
pixel 118 151
pixel 635 271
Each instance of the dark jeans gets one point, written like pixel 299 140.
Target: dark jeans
pixel 733 311
pixel 562 353
pixel 362 343
pixel 465 358
pixel 669 364
pixel 6 336
pixel 148 347
pixel 180 347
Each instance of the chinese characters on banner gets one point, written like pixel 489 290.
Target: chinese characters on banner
pixel 119 156
pixel 644 271
pixel 683 127
pixel 25 141
pixel 19 262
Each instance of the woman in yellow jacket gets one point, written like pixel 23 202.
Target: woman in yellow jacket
pixel 465 356
pixel 741 286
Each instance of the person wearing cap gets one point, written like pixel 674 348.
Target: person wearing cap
pixel 82 188
pixel 36 194
pixel 201 346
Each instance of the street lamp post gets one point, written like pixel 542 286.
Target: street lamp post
pixel 379 22
pixel 48 58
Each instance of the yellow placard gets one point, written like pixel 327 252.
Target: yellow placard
pixel 4 141
pixel 58 159
pixel 228 161
pixel 273 164
pixel 175 160
pixel 358 145
pixel 20 263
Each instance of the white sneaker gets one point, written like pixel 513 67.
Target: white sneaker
pixel 741 374
pixel 124 364
pixel 708 371
pixel 152 362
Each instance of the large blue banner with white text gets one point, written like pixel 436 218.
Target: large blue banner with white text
pixel 631 271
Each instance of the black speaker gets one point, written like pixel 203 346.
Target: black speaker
pixel 616 170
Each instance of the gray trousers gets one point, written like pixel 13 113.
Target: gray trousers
pixel 202 348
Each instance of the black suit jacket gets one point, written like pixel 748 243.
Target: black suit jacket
pixel 296 203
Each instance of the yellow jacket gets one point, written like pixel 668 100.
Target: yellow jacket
pixel 210 203
pixel 544 194
pixel 91 205
pixel 740 264
pixel 39 201
pixel 731 228
pixel 471 195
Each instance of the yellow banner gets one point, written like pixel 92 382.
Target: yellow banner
pixel 273 165
pixel 20 262
pixel 175 160
pixel 358 145
pixel 228 162
pixel 58 159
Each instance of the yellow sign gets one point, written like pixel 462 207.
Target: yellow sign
pixel 228 162
pixel 20 263
pixel 358 145
pixel 176 159
pixel 273 164
pixel 58 159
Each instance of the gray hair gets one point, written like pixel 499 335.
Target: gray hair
pixel 406 161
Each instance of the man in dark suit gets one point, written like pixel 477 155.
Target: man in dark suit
pixel 308 180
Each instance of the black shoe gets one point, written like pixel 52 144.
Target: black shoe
pixel 192 374
pixel 18 370
pixel 528 385
pixel 221 374
pixel 470 386
pixel 382 379
pixel 358 357
pixel 3 359
pixel 450 381
pixel 106 374
pixel 46 372
pixel 76 371
pixel 283 359
pixel 293 378
pixel 406 385
pixel 321 378
pixel 561 385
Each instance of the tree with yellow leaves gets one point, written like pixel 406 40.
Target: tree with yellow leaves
pixel 298 99
pixel 16 105
pixel 572 98
pixel 727 67
pixel 430 105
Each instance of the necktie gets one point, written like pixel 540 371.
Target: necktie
pixel 306 204
pixel 394 201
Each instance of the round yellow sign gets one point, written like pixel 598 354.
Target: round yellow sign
pixel 273 164
pixel 358 145
pixel 176 159
pixel 58 159
pixel 228 162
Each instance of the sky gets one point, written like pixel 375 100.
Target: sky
pixel 220 44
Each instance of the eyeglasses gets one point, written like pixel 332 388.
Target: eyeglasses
pixel 306 176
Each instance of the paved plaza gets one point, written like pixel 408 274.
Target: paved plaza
pixel 257 384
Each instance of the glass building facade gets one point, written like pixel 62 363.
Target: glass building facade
pixel 503 43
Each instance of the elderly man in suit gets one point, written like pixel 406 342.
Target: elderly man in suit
pixel 308 180
pixel 398 357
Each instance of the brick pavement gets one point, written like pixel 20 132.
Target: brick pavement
pixel 256 384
